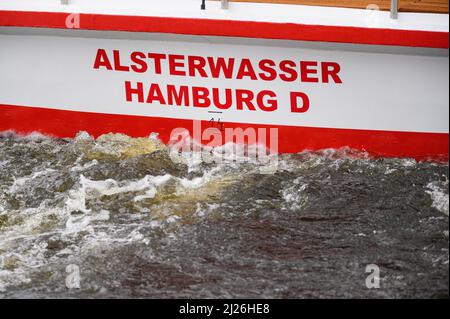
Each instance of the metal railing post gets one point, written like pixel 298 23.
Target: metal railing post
pixel 224 4
pixel 394 9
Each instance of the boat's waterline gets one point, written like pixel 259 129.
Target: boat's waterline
pixel 381 89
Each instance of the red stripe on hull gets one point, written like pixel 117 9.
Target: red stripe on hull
pixel 231 28
pixel 292 139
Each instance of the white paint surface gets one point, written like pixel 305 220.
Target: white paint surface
pixel 379 91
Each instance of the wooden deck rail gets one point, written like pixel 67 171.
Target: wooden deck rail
pixel 429 6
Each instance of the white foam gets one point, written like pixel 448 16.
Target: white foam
pixel 390 171
pixel 294 195
pixel 83 136
pixel 173 219
pixel 198 182
pixel 111 187
pixel 20 182
pixel 79 223
pixel 191 153
pixel 438 195
pixel 12 278
pixel 408 162
pixel 89 188
pixel 78 168
pixel 26 257
pixel 155 224
pixel 193 183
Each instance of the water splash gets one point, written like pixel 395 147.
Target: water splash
pixel 138 223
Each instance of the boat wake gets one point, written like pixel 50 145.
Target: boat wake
pixel 135 222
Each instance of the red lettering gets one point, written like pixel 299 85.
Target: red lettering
pixel 269 73
pixel 176 61
pixel 117 65
pixel 271 104
pixel 295 108
pixel 288 67
pixel 139 91
pixel 200 97
pixel 101 59
pixel 244 97
pixel 155 94
pixel 158 57
pixel 331 69
pixel 180 98
pixel 246 69
pixel 140 66
pixel 305 71
pixel 221 67
pixel 228 99
pixel 197 63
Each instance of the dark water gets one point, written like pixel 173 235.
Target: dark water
pixel 135 223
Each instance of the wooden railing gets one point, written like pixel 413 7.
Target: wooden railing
pixel 430 6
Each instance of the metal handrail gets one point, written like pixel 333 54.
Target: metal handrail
pixel 394 9
pixel 224 5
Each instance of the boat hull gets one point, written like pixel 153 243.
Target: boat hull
pixel 388 98
pixel 291 139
